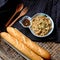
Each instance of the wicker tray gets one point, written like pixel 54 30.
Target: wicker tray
pixel 8 53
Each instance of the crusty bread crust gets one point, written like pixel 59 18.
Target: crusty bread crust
pixel 20 46
pixel 30 44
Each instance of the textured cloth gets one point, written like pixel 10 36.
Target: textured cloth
pixel 50 7
pixel 2 2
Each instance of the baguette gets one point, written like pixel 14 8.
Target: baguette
pixel 20 46
pixel 30 44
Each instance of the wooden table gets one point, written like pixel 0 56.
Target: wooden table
pixel 8 53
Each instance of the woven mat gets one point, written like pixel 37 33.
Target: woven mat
pixel 11 54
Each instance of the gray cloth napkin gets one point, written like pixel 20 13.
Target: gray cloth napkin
pixel 2 2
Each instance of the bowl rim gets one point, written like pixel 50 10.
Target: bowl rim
pixel 25 17
pixel 30 19
pixel 51 23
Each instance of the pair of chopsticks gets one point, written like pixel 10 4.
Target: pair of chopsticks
pixel 18 9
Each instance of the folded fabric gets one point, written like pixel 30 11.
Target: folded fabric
pixel 50 7
pixel 2 2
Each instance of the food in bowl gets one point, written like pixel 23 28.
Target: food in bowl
pixel 41 25
pixel 26 22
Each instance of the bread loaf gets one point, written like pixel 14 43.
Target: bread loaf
pixel 30 44
pixel 20 46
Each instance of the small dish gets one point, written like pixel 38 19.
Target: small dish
pixel 25 22
pixel 30 19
